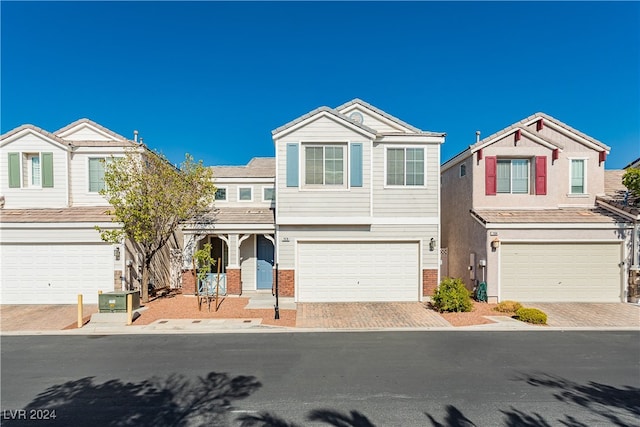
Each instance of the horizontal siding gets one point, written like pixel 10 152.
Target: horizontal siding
pixel 16 198
pixel 87 134
pixel 301 202
pixel 373 122
pixel 406 202
pixel 79 172
pixel 409 232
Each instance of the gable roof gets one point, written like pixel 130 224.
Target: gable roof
pixel 548 216
pixel 35 129
pixel 522 126
pixel 633 164
pixel 335 112
pixel 86 121
pixel 258 167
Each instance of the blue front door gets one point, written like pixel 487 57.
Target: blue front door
pixel 265 263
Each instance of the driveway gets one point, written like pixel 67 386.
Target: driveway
pixel 23 317
pixel 588 315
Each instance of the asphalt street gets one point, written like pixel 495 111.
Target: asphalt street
pixel 537 378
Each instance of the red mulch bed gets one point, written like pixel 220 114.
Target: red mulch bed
pixel 475 316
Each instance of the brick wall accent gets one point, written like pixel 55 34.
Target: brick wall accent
pixel 234 283
pixel 286 283
pixel 429 282
pixel 188 282
pixel 117 280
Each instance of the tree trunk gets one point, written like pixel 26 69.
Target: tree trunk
pixel 145 282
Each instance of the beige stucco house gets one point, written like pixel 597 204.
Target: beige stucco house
pixel 520 213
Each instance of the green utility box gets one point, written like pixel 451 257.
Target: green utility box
pixel 116 302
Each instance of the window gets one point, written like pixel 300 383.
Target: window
pixel 33 170
pixel 268 194
pixel 513 176
pixel 30 170
pixel 578 174
pixel 96 174
pixel 405 166
pixel 463 170
pixel 324 165
pixel 221 194
pixel 244 194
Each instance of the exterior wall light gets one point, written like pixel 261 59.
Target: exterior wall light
pixel 116 253
pixel 432 244
pixel 495 243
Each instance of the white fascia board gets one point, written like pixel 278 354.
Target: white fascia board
pixel 315 117
pixel 355 239
pixel 324 220
pixel 511 132
pixel 80 126
pixel 59 225
pixel 410 139
pixel 455 160
pixel 575 137
pixel 244 180
pixel 556 226
pixel 37 134
pixel 380 117
pixel 507 241
pixel 411 220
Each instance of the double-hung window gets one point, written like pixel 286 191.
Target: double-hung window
pixel 578 176
pixel 96 173
pixel 34 176
pixel 513 176
pixel 221 194
pixel 30 170
pixel 324 165
pixel 405 166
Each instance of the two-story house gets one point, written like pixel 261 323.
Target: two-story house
pixel 240 229
pixel 520 213
pixel 49 189
pixel 357 206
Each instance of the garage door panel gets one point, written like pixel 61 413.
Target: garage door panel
pixel 358 271
pixel 55 274
pixel 578 272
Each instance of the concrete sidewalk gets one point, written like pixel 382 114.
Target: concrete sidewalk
pixel 48 320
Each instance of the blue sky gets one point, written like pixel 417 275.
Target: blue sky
pixel 214 78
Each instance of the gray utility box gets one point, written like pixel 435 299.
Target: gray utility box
pixel 116 302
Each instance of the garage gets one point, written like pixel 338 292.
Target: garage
pixel 55 273
pixel 560 272
pixel 358 271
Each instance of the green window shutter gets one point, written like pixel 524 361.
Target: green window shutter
pixel 356 165
pixel 47 170
pixel 292 165
pixel 14 170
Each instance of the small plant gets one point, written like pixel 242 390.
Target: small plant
pixel 531 315
pixel 204 261
pixel 508 307
pixel 452 295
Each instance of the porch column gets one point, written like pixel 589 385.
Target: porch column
pixel 188 275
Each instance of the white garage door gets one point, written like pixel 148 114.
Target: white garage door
pixel 56 273
pixel 358 271
pixel 555 272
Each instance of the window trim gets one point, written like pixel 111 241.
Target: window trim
pixel 585 162
pixel 28 157
pixel 250 188
pixel 529 172
pixel 271 187
pixel 344 145
pixel 226 194
pixel 424 166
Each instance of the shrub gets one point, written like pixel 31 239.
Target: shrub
pixel 451 295
pixel 531 315
pixel 508 307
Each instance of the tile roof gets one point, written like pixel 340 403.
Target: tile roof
pixel 548 216
pixel 617 195
pixel 248 215
pixel 92 123
pixel 35 129
pixel 258 167
pixel 74 214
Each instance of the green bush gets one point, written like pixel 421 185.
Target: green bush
pixel 451 295
pixel 531 315
pixel 508 307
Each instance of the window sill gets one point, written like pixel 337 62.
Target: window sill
pixel 578 196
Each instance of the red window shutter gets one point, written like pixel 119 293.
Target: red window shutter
pixel 490 178
pixel 541 175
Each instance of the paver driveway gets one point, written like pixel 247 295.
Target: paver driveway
pixel 587 315
pixel 41 317
pixel 365 315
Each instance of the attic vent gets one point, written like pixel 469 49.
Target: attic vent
pixel 357 117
